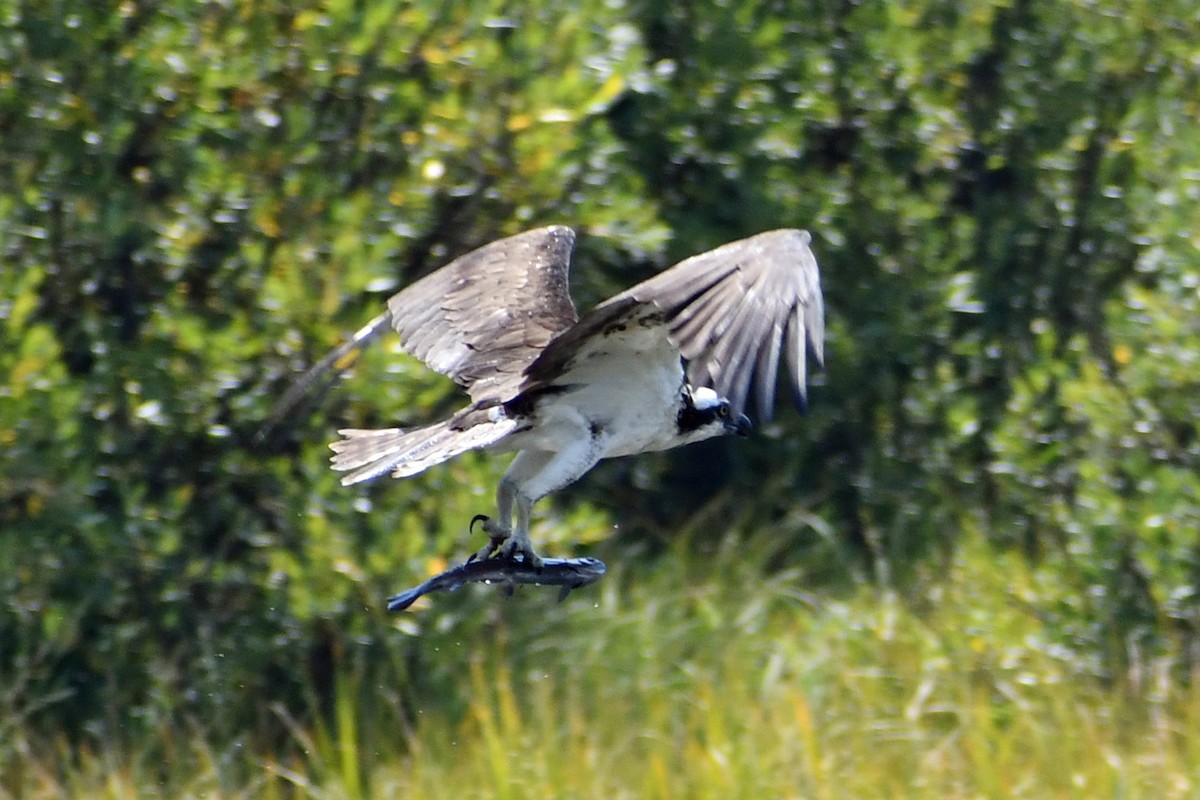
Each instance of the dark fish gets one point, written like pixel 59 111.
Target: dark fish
pixel 569 573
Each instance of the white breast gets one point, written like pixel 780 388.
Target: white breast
pixel 623 388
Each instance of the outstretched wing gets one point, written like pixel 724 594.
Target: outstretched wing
pixel 735 310
pixel 484 317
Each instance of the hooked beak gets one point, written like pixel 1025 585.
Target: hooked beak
pixel 741 425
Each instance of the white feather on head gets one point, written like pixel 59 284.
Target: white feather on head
pixel 704 398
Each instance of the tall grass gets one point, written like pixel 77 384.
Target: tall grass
pixel 700 678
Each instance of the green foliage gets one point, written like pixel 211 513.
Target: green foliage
pixel 199 199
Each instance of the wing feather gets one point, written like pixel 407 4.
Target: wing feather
pixel 697 320
pixel 767 370
pixel 732 309
pixel 794 356
pixel 736 352
pixel 484 317
pixel 367 454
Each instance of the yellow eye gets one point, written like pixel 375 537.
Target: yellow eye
pixel 723 410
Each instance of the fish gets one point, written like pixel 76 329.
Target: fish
pixel 508 572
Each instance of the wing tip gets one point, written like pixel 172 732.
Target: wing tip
pixel 560 230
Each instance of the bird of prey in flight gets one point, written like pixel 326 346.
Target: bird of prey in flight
pixel 668 362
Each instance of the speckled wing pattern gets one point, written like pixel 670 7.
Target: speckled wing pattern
pixel 483 318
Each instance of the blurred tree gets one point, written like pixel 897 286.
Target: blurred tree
pixel 978 178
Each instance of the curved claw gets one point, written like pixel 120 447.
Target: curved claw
pixel 484 518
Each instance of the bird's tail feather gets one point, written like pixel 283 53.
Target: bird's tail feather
pixel 366 454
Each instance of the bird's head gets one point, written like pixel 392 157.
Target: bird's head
pixel 704 414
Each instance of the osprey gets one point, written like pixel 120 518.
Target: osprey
pixel 666 363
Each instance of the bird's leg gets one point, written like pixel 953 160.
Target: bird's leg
pixel 498 530
pixel 519 543
pixel 532 475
